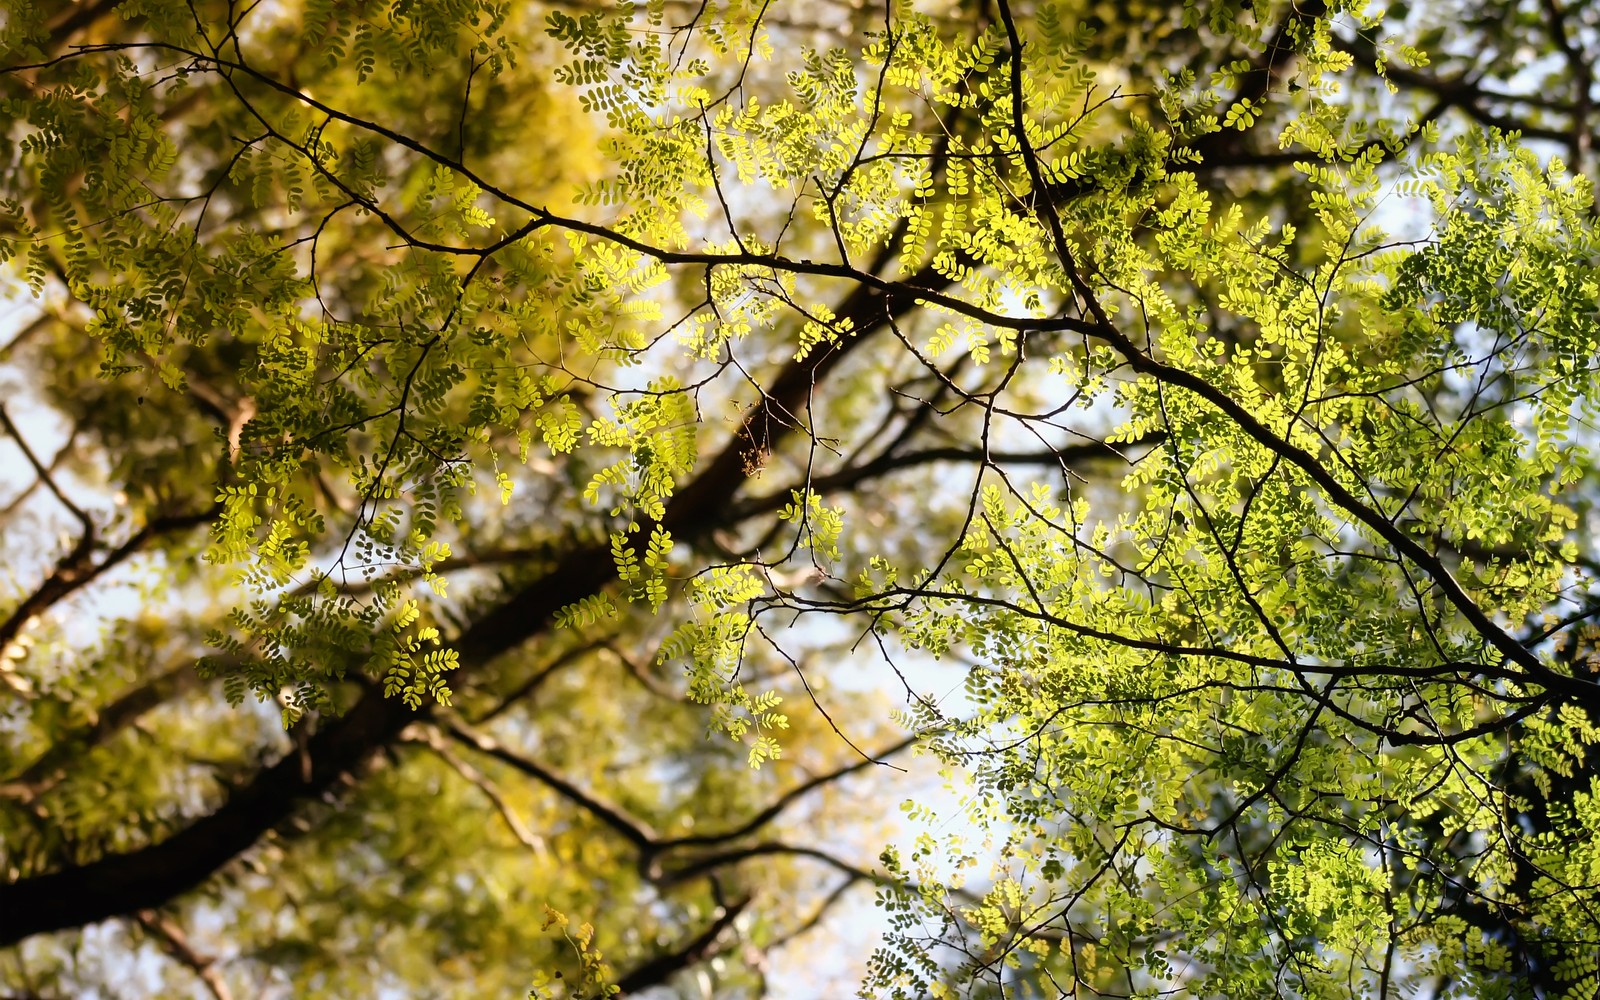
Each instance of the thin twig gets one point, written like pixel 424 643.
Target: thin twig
pixel 175 943
pixel 43 472
pixel 429 737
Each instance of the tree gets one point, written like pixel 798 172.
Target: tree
pixel 1205 384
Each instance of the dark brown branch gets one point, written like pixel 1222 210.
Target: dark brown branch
pixel 539 678
pixel 1065 457
pixel 429 737
pixel 642 674
pixel 788 798
pixel 1471 98
pixel 1581 68
pixel 633 830
pixel 1256 84
pixel 76 569
pixel 44 473
pixel 147 877
pixel 55 463
pixel 75 18
pixel 697 949
pixel 816 916
pixel 722 859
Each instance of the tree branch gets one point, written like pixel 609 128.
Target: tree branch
pixel 1065 457
pixel 634 831
pixel 150 876
pixel 76 569
pixel 49 768
pixel 788 798
pixel 429 737
pixel 711 862
pixel 175 943
pixel 695 950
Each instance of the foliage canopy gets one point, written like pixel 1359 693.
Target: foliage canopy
pixel 503 399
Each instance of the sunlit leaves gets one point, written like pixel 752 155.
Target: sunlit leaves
pixel 1239 725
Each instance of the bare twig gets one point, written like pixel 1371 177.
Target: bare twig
pixel 429 736
pixel 788 798
pixel 175 943
pixel 634 831
pixel 43 472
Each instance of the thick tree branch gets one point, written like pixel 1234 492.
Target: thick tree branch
pixel 697 949
pixel 151 876
pixel 147 877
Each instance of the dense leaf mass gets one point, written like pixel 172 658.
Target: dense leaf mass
pixel 492 490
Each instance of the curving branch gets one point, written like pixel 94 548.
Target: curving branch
pixel 706 864
pixel 697 949
pixel 78 568
pixel 150 876
pixel 50 767
pixel 635 831
pixel 429 737
pixel 776 807
pixel 45 475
